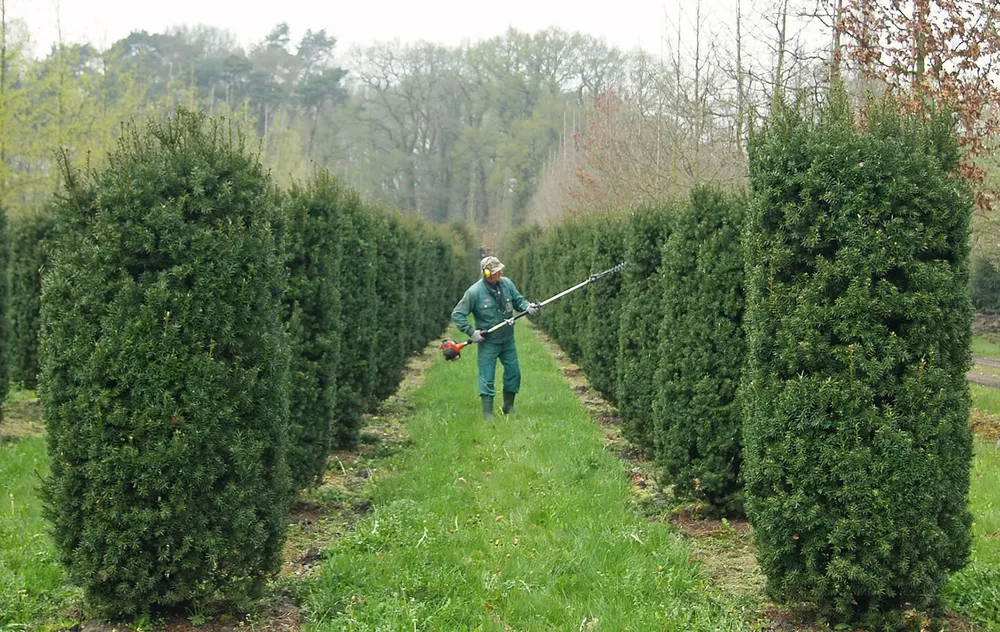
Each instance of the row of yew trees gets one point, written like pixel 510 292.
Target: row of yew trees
pixel 797 352
pixel 205 340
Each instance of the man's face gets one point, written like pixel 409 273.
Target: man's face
pixel 495 276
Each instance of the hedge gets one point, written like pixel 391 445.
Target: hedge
pixel 29 257
pixel 857 444
pixel 697 416
pixel 312 250
pixel 164 371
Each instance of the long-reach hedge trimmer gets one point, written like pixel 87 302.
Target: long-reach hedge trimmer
pixel 453 350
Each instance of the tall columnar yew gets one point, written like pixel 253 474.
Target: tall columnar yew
pixel 603 304
pixel 517 250
pixel 415 276
pixel 697 417
pixel 857 445
pixel 393 319
pixel 29 236
pixel 5 333
pixel 642 303
pixel 985 286
pixel 358 368
pixel 164 371
pixel 312 249
pixel 567 259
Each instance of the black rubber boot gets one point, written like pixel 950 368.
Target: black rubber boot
pixel 488 408
pixel 508 403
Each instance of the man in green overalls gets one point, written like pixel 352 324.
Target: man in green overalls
pixel 492 300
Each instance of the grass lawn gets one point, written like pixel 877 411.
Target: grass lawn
pixel 33 586
pixel 985 347
pixel 524 524
pixel 518 524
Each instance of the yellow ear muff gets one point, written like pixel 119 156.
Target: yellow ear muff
pixel 486 273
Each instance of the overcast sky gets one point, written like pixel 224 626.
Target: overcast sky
pixel 626 24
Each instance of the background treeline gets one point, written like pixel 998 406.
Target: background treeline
pixel 446 133
pixel 201 339
pixel 519 127
pixel 798 354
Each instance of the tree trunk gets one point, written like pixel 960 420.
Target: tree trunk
pixel 835 53
pixel 3 97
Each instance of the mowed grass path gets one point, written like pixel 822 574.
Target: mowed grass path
pixel 517 524
pixel 520 524
pixel 33 586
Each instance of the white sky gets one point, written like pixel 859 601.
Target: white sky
pixel 626 24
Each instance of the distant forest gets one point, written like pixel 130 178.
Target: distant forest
pixel 515 129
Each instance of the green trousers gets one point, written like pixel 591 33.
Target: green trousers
pixel 488 353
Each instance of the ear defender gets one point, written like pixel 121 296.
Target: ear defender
pixel 486 273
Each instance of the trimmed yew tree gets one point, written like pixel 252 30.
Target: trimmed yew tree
pixel 5 333
pixel 603 315
pixel 164 371
pixel 312 310
pixel 857 444
pixel 697 416
pixel 357 369
pixel 29 237
pixel 642 303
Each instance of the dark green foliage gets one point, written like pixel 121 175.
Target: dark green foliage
pixel 399 279
pixel 415 281
pixel 569 264
pixel 358 369
pixel 464 259
pixel 518 248
pixel 5 333
pixel 856 440
pixel 546 263
pixel 642 304
pixel 394 320
pixel 985 286
pixel 28 257
pixel 603 300
pixel 701 352
pixel 164 372
pixel 312 311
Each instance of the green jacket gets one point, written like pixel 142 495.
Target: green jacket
pixel 489 305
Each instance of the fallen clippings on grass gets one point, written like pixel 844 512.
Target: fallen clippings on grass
pixel 984 424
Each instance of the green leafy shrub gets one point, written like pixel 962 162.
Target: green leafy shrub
pixel 28 258
pixel 603 306
pixel 312 249
pixel 856 439
pixel 164 371
pixel 697 415
pixel 642 310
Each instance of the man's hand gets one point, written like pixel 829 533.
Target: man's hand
pixel 534 308
pixel 477 336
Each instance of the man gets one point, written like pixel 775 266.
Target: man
pixel 492 300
